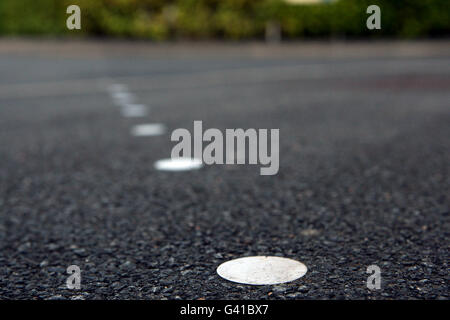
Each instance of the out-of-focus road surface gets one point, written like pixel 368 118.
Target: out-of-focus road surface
pixel 363 179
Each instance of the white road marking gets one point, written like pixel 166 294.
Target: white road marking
pixel 262 270
pixel 123 98
pixel 134 110
pixel 120 95
pixel 178 164
pixel 149 129
pixel 117 87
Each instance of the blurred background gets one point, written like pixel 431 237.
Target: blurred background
pixel 226 19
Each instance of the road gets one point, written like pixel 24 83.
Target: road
pixel 363 180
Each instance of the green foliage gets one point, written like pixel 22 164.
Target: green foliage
pixel 228 19
pixel 31 17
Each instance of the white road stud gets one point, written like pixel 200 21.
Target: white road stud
pixel 123 98
pixel 120 95
pixel 262 270
pixel 178 164
pixel 134 110
pixel 148 130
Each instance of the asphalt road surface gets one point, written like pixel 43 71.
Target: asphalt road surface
pixel 363 179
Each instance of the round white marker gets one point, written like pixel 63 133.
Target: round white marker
pixel 262 270
pixel 134 110
pixel 178 164
pixel 122 98
pixel 148 130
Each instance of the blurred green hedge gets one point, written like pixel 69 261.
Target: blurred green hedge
pixel 225 19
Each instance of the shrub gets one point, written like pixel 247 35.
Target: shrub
pixel 229 19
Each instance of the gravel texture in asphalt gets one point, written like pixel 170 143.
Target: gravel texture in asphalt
pixel 364 170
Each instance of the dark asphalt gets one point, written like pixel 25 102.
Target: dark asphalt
pixel 364 172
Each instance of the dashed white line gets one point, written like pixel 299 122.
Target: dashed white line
pixel 259 270
pixel 129 109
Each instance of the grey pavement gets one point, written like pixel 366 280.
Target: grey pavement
pixel 364 169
